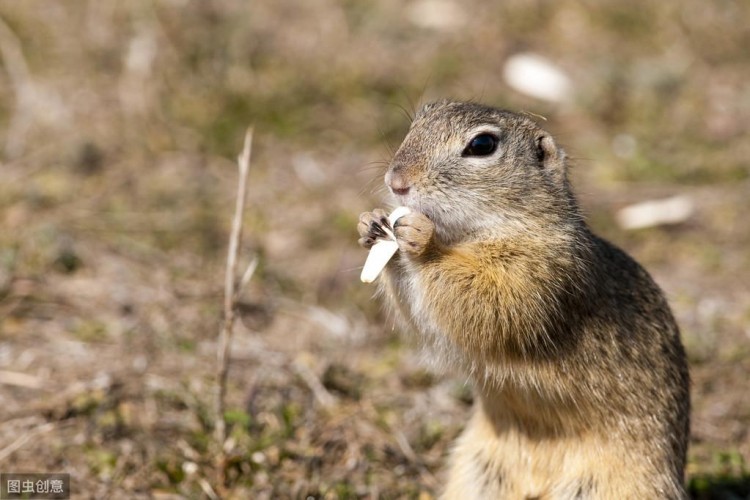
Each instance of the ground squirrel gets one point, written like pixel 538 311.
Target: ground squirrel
pixel 575 357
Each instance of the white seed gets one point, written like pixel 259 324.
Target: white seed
pixel 536 76
pixel 382 251
pixel 656 213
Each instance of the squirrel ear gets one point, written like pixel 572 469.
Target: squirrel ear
pixel 551 157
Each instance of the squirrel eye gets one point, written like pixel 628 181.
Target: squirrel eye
pixel 481 145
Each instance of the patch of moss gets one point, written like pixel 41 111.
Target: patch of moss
pixel 90 331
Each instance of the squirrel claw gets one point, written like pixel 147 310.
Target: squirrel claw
pixel 414 233
pixel 372 226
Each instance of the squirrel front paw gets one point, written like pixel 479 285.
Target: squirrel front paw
pixel 414 233
pixel 371 227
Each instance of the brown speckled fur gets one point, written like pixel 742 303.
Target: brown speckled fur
pixel 581 378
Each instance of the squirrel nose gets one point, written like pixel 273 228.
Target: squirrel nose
pixel 397 182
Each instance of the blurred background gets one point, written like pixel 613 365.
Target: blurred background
pixel 120 123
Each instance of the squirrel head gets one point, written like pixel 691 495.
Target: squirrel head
pixel 477 171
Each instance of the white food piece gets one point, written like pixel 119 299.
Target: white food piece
pixel 534 75
pixel 656 213
pixel 397 214
pixel 382 251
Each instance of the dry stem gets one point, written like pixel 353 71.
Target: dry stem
pixel 232 289
pixel 23 439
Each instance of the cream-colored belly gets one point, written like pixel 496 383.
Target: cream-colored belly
pixel 491 463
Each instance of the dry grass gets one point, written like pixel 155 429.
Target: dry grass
pixel 119 121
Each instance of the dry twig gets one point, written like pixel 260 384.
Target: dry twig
pixel 23 439
pixel 324 398
pixel 232 288
pixel 20 380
